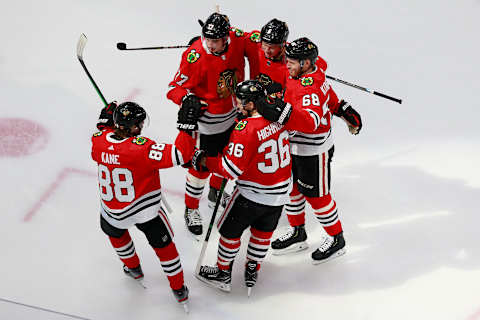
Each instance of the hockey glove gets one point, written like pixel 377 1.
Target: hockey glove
pixel 274 109
pixel 193 40
pixel 191 110
pixel 350 116
pixel 105 120
pixel 273 88
pixel 198 161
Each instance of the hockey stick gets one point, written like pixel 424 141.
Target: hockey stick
pixel 82 42
pixel 365 89
pixel 209 231
pixel 123 46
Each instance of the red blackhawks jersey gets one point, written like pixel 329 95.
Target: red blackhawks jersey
pixel 128 177
pixel 261 68
pixel 312 92
pixel 258 156
pixel 213 79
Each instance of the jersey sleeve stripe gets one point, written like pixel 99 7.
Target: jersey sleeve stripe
pixel 231 168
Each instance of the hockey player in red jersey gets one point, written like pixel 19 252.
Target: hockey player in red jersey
pixel 209 71
pixel 258 157
pixel 269 46
pixel 130 190
pixel 312 153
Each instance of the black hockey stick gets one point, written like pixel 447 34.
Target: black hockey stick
pixel 365 89
pixel 209 231
pixel 82 42
pixel 123 46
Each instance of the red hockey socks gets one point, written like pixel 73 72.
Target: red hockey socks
pixel 194 187
pixel 227 251
pixel 258 245
pixel 170 261
pixel 295 209
pixel 325 209
pixel 126 250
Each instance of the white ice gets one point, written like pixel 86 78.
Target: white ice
pixel 407 186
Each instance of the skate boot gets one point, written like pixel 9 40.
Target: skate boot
pixel 331 248
pixel 182 296
pixel 251 275
pixel 135 273
pixel 216 277
pixel 212 198
pixel 193 221
pixel 294 240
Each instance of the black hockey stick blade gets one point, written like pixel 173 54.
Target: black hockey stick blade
pixel 200 22
pixel 121 46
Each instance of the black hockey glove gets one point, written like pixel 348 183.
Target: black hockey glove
pixel 191 110
pixel 274 109
pixel 105 119
pixel 273 87
pixel 198 161
pixel 350 116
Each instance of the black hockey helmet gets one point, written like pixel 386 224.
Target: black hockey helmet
pixel 274 32
pixel 249 90
pixel 128 114
pixel 302 49
pixel 217 26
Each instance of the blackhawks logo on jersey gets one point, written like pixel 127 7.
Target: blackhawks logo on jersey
pixel 226 83
pixel 255 36
pixel 308 81
pixel 193 56
pixel 139 140
pixel 241 125
pixel 238 32
pixel 97 134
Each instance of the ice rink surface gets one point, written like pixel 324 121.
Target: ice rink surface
pixel 407 187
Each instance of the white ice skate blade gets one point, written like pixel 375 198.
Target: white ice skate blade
pixel 337 254
pixel 185 306
pixel 225 287
pixel 249 291
pixel 195 237
pixel 141 283
pixel 292 249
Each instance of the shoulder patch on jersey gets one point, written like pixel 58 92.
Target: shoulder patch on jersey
pixel 308 81
pixel 255 36
pixel 139 140
pixel 238 32
pixel 241 125
pixel 97 134
pixel 193 56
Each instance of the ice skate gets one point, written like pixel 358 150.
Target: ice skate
pixel 135 273
pixel 193 221
pixel 332 247
pixel 293 241
pixel 251 275
pixel 215 277
pixel 212 198
pixel 182 297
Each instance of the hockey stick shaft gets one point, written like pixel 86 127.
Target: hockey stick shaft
pixel 123 47
pixel 365 89
pixel 82 42
pixel 210 227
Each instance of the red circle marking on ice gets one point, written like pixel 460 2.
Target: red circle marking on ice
pixel 21 137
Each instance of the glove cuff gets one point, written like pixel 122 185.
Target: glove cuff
pixel 285 115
